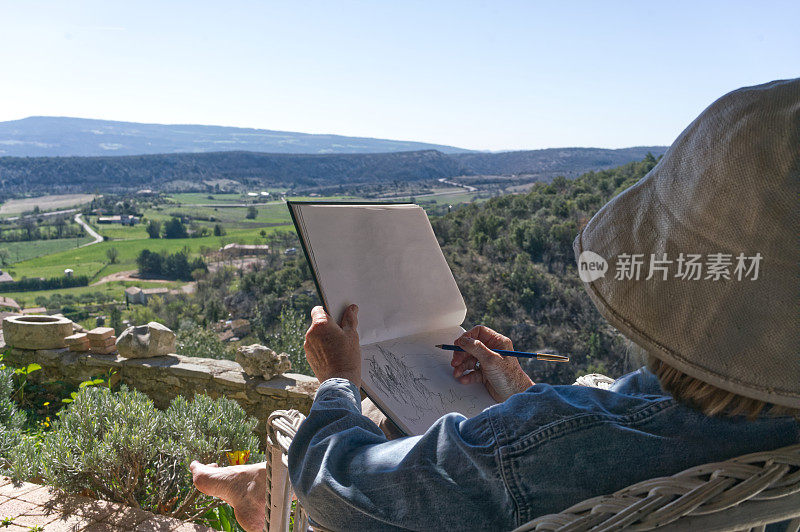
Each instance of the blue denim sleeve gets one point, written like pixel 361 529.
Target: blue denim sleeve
pixel 350 477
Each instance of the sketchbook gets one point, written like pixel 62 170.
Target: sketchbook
pixel 385 258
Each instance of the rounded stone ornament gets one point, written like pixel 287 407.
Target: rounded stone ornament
pixel 36 331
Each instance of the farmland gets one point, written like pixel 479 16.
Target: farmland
pixel 23 251
pixel 15 207
pixel 203 215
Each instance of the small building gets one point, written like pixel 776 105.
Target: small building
pixel 242 250
pixel 140 296
pixel 34 310
pixel 68 272
pixel 123 219
pixel 129 219
pixel 5 277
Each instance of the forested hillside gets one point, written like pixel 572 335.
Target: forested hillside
pixel 71 174
pixel 512 258
pixel 569 162
pixel 326 173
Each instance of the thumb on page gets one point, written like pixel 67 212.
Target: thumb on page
pixel 350 317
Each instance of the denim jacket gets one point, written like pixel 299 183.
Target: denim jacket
pixel 538 452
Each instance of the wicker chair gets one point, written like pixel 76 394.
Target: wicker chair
pixel 745 493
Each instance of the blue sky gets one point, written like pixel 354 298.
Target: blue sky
pixel 491 75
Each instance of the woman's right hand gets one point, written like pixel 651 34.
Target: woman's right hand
pixel 502 376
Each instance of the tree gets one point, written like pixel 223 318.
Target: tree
pixel 115 319
pixel 175 229
pixel 252 212
pixel 5 256
pixel 150 264
pixel 219 230
pixel 60 224
pixel 112 254
pixel 154 229
pixel 29 226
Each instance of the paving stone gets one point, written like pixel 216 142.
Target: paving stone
pixel 104 527
pixel 41 495
pixel 68 523
pixel 16 507
pixel 191 527
pixel 95 510
pixel 15 489
pixel 126 516
pixel 14 528
pixel 5 480
pixel 35 517
pixel 158 523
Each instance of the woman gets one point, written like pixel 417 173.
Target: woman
pixel 701 270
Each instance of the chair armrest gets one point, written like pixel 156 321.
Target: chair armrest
pixel 282 427
pixel 738 494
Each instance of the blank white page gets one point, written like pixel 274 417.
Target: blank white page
pixel 385 259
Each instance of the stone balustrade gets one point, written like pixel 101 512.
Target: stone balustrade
pixel 165 377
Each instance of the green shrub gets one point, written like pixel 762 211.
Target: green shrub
pixel 123 449
pixel 12 419
pixel 288 338
pixel 195 341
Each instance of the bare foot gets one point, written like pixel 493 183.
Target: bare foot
pixel 244 487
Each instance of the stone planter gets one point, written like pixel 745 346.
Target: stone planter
pixel 36 332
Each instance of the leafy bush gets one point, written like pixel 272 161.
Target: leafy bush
pixel 120 447
pixel 195 341
pixel 288 338
pixel 11 419
pixel 168 266
pixel 28 284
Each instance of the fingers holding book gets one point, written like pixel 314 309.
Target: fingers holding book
pixel 333 349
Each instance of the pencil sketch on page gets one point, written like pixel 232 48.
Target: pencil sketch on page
pixel 408 379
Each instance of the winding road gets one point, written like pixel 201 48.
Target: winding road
pixel 91 232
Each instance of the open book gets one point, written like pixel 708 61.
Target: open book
pixel 386 259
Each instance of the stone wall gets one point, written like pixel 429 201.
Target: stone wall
pixel 164 378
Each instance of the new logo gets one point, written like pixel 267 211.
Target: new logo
pixel 591 266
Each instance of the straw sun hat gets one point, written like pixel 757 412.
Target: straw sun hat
pixel 699 262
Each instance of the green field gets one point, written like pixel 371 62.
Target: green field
pixel 199 198
pixel 114 289
pixel 21 251
pixel 92 260
pixel 50 258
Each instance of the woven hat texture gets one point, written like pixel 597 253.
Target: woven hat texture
pixel 728 190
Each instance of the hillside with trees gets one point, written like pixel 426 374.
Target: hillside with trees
pixel 298 172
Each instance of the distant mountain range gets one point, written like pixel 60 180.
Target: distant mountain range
pixel 50 154
pixel 42 136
